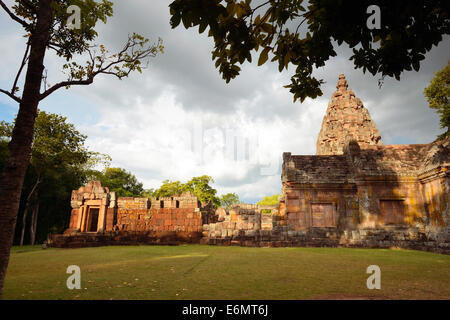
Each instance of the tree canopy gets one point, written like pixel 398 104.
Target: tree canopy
pixel 270 200
pixel 227 200
pixel 169 188
pixel 59 163
pixel 124 183
pixel 198 186
pixel 438 93
pixel 277 29
pixel 67 42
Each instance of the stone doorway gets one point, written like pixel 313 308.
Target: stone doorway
pixel 92 225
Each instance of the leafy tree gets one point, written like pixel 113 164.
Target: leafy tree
pixel 124 183
pixel 148 193
pixel 198 186
pixel 438 93
pixel 227 200
pixel 45 28
pixel 59 163
pixel 57 148
pixel 270 200
pixel 277 28
pixel 169 189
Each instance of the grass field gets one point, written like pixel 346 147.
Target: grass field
pixel 210 272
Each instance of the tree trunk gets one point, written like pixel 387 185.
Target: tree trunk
pixel 27 206
pixel 13 174
pixel 24 223
pixel 34 217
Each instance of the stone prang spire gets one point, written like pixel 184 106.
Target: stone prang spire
pixel 346 119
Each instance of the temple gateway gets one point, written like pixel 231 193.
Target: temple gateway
pixel 355 192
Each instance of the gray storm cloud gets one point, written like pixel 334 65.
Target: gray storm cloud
pixel 145 123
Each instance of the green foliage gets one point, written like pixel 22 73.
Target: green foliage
pixel 5 136
pixel 124 183
pixel 57 143
pixel 148 193
pixel 65 41
pixel 59 163
pixel 437 94
pixel 121 64
pixel 58 156
pixel 227 200
pixel 240 28
pixel 169 189
pixel 68 42
pixel 198 186
pixel 270 200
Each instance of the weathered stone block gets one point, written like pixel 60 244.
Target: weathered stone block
pixel 250 233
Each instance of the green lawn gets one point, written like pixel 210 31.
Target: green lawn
pixel 213 272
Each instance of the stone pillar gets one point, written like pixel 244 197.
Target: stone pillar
pixel 101 217
pixel 80 218
pixel 83 220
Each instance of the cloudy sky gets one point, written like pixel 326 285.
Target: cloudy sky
pixel 179 119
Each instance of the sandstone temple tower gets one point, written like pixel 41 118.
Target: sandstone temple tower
pixel 366 191
pixel 346 119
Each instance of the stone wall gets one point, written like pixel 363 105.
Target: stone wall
pixel 166 219
pixel 241 220
pixel 127 220
pixel 179 214
pixel 117 238
pixel 418 238
pixel 406 238
pixel 246 227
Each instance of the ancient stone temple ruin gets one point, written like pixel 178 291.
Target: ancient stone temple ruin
pixel 354 192
pixel 99 217
pixel 366 193
pixel 346 118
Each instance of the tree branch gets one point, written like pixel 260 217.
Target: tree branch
pixel 46 93
pixel 253 11
pixel 119 65
pixel 34 188
pixel 12 96
pixel 13 16
pixel 24 62
pixel 305 16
